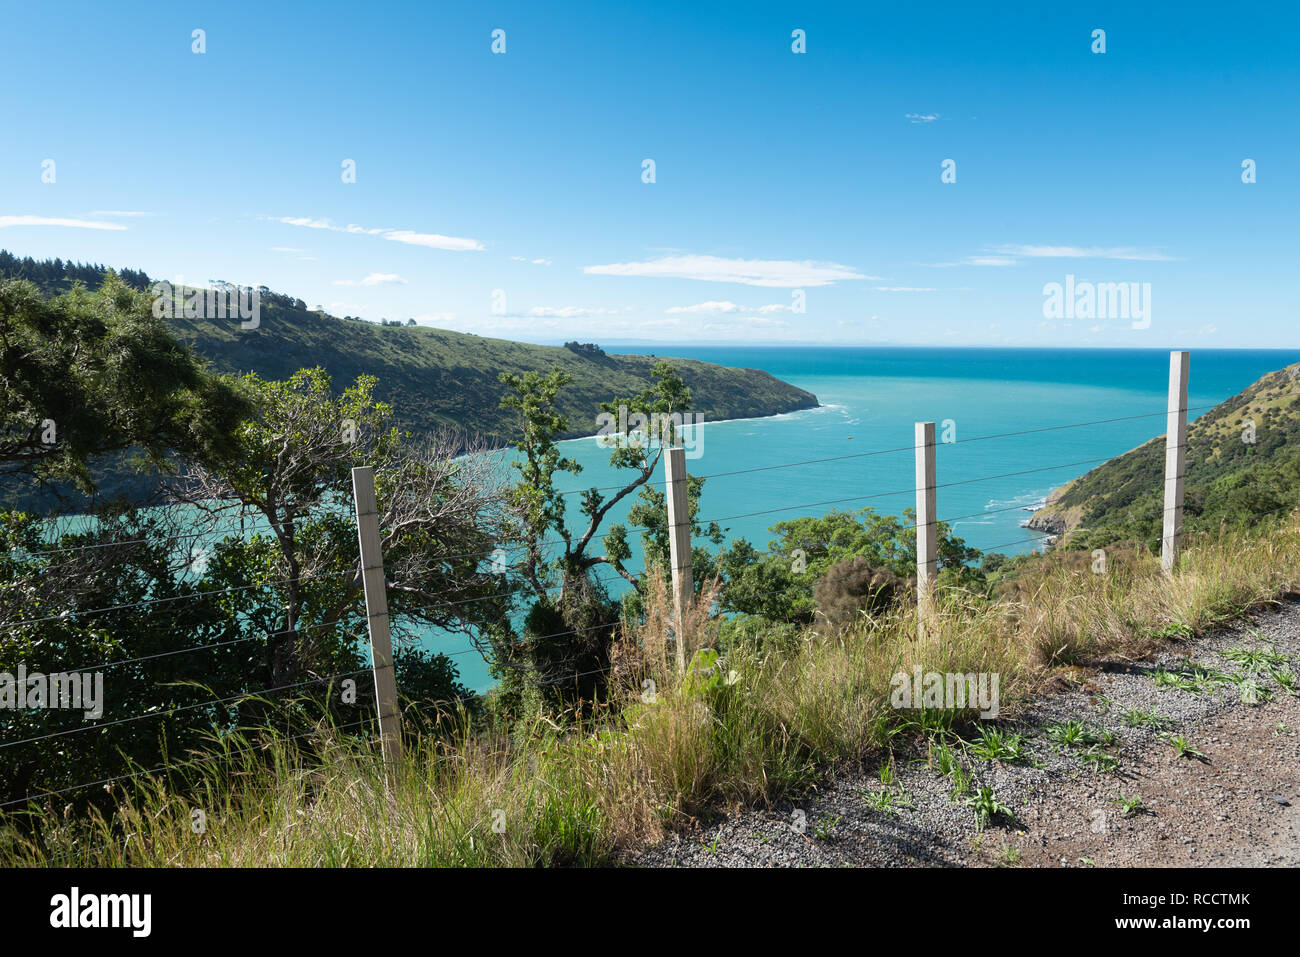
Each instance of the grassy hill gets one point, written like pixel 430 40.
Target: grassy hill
pixel 1230 481
pixel 433 377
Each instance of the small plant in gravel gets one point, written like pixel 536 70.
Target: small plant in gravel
pixel 988 808
pixel 961 782
pixel 887 775
pixel 1286 679
pixel 1165 679
pixel 1175 630
pixel 1098 760
pixel 1183 747
pixel 1009 856
pixel 823 829
pixel 1207 679
pixel 994 744
pixel 943 758
pixel 1128 806
pixel 887 802
pixel 1254 659
pixel 1069 734
pixel 1137 718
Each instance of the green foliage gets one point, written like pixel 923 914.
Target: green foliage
pixel 91 373
pixel 779 584
pixel 564 653
pixel 1231 481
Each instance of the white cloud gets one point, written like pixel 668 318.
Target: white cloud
pixel 1083 252
pixel 428 240
pixel 57 221
pixel 1011 254
pixel 374 279
pixel 976 261
pixel 921 117
pixel 535 262
pixel 749 272
pixel 711 308
pixel 432 240
pixel 724 307
pixel 308 223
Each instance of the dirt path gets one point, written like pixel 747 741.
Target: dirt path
pixel 1231 799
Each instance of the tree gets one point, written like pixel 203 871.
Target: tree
pixel 565 647
pixel 778 585
pixel 91 373
pixel 441 517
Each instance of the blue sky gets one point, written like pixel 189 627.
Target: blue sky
pixel 775 172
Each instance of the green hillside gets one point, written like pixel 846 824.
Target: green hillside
pixel 1230 480
pixel 434 377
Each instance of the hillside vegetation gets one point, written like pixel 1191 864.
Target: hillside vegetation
pixel 435 377
pixel 747 729
pixel 1243 463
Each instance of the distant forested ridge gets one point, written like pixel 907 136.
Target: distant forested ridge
pixel 433 377
pixel 1243 465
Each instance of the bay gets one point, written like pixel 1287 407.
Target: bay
pixel 870 399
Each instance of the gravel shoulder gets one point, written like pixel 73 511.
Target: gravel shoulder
pixel 1230 800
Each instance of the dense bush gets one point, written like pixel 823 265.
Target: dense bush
pixel 852 588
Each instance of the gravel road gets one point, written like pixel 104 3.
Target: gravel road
pixel 1230 799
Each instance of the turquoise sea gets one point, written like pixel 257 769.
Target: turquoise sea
pixel 870 399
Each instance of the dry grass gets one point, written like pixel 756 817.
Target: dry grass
pixel 753 726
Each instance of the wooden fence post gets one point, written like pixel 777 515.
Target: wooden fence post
pixel 927 542
pixel 372 580
pixel 1175 459
pixel 679 544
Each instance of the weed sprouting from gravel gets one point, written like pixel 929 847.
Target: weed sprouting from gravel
pixel 988 808
pixel 1183 747
pixel 1069 734
pixel 994 744
pixel 1254 659
pixel 1100 761
pixel 1137 718
pixel 1128 806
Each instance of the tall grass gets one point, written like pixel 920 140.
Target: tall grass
pixel 759 723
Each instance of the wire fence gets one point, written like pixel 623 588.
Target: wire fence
pixel 352 625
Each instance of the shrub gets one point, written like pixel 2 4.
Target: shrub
pixel 851 588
